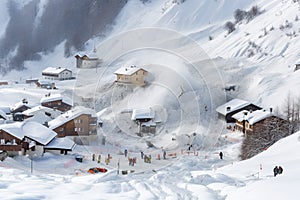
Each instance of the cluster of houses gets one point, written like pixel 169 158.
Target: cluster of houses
pixel 245 116
pixel 53 125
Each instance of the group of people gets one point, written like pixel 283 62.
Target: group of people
pixel 277 170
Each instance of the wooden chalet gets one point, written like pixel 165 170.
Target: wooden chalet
pixel 144 118
pixel 56 102
pixel 19 137
pixel 78 122
pixel 250 122
pixel 131 75
pixel 227 110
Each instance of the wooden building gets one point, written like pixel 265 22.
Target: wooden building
pixel 3 82
pixel 78 122
pixel 250 122
pixel 144 118
pixel 227 110
pixel 20 137
pixel 56 102
pixel 45 84
pixel 131 75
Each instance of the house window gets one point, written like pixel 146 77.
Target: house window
pixel 61 129
pixel 59 103
pixel 79 129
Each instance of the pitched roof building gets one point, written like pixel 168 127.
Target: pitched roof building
pixel 57 73
pixel 131 75
pixel 234 106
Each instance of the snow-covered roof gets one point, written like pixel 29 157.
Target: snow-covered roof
pixel 70 115
pixel 38 132
pixel 41 109
pixel 61 143
pixel 128 70
pixel 20 104
pixel 40 117
pixel 90 55
pixel 147 113
pixel 54 70
pixel 15 129
pixel 233 104
pixel 297 62
pixel 253 116
pixel 56 97
pixel 32 130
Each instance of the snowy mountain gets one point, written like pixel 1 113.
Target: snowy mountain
pixel 191 58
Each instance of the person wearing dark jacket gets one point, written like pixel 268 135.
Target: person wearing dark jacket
pixel 280 170
pixel 221 155
pixel 275 170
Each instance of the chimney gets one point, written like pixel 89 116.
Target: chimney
pixel 271 110
pixel 228 108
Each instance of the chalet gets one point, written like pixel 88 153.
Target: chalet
pixel 62 145
pixel 19 137
pixel 18 109
pixel 87 60
pixel 131 75
pixel 31 80
pixel 45 84
pixel 232 107
pixel 80 122
pixel 254 121
pixel 297 65
pixel 3 82
pixel 144 118
pixel 57 73
pixel 56 102
pixel 41 114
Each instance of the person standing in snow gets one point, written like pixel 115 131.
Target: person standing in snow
pixel 275 170
pixel 164 155
pixel 99 158
pixel 125 152
pixel 280 170
pixel 142 155
pixel 221 155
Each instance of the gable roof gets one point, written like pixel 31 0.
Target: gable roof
pixel 70 115
pixel 253 116
pixel 32 130
pixel 147 113
pixel 61 143
pixel 39 109
pixel 128 70
pixel 56 97
pixel 15 129
pixel 54 70
pixel 234 104
pixel 90 55
pixel 38 132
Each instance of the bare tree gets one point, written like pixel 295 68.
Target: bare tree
pixel 271 130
